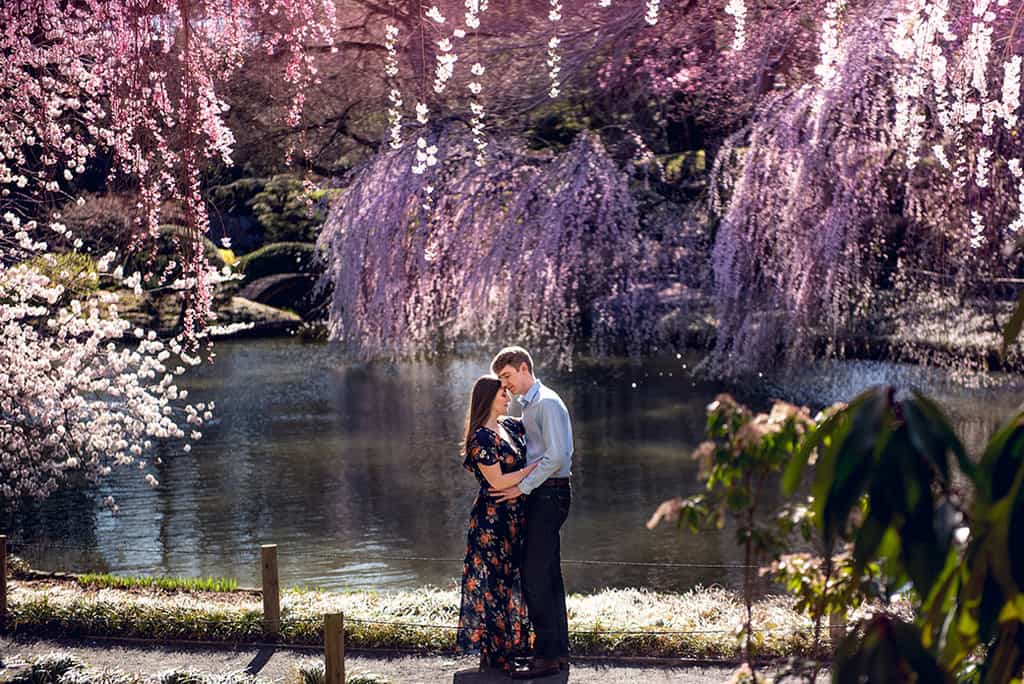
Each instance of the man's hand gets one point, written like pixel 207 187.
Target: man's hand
pixel 503 495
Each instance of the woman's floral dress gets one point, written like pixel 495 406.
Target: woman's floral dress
pixel 493 619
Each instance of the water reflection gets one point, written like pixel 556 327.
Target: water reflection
pixel 348 467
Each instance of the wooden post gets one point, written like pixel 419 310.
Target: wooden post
pixel 334 647
pixel 271 590
pixel 836 627
pixel 3 581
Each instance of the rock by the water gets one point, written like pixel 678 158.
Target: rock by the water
pixel 235 316
pixel 259 319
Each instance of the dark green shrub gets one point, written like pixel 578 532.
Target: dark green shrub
pixel 154 257
pixel 285 212
pixel 237 197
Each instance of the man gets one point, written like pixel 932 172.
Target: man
pixel 548 496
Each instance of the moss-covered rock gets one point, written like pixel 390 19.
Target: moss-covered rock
pixel 280 257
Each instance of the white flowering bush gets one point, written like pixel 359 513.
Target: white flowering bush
pixel 81 389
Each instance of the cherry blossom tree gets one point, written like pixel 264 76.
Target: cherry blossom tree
pixel 530 247
pixel 129 89
pixel 81 389
pixel 900 160
pixel 138 82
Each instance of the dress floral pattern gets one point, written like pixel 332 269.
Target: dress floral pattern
pixel 493 619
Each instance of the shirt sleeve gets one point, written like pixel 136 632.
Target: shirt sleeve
pixel 554 427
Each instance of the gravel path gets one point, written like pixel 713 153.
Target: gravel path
pixel 279 664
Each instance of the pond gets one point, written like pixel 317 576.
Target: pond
pixel 353 470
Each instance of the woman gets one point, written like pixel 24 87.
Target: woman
pixel 493 617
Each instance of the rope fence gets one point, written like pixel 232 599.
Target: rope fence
pixel 375 558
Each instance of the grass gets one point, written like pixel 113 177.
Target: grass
pixel 701 623
pixel 169 584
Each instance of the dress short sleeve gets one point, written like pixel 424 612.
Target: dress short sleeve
pixel 483 450
pixel 514 425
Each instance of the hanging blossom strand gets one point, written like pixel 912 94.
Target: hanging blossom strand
pixel 476 107
pixel 446 59
pixel 554 59
pixel 737 9
pixel 477 120
pixel 653 9
pixel 394 94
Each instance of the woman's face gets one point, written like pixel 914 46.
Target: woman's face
pixel 499 407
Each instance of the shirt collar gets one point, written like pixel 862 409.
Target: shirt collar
pixel 531 393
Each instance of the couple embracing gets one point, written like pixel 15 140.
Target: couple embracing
pixel 512 590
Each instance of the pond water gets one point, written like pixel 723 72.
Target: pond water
pixel 353 470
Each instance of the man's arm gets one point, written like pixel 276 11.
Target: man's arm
pixel 554 431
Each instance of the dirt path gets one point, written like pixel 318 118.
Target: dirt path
pixel 279 664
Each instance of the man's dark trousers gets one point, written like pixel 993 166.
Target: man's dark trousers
pixel 547 507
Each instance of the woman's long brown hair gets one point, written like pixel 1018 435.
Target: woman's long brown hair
pixel 484 390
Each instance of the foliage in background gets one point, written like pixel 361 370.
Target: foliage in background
pixel 286 210
pixel 157 258
pixel 75 273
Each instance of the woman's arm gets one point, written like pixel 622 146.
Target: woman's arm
pixel 499 480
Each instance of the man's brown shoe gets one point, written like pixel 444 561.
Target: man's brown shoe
pixel 539 667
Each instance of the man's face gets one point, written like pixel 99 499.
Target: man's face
pixel 516 380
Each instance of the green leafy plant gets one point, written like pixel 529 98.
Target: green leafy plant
pixel 314 673
pixel 954 549
pixel 18 567
pixel 744 456
pixel 48 669
pixel 193 677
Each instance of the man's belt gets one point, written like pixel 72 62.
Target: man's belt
pixel 554 482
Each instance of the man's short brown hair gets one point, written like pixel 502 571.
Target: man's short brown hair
pixel 512 356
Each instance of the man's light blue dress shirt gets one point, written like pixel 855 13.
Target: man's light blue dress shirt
pixel 548 436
